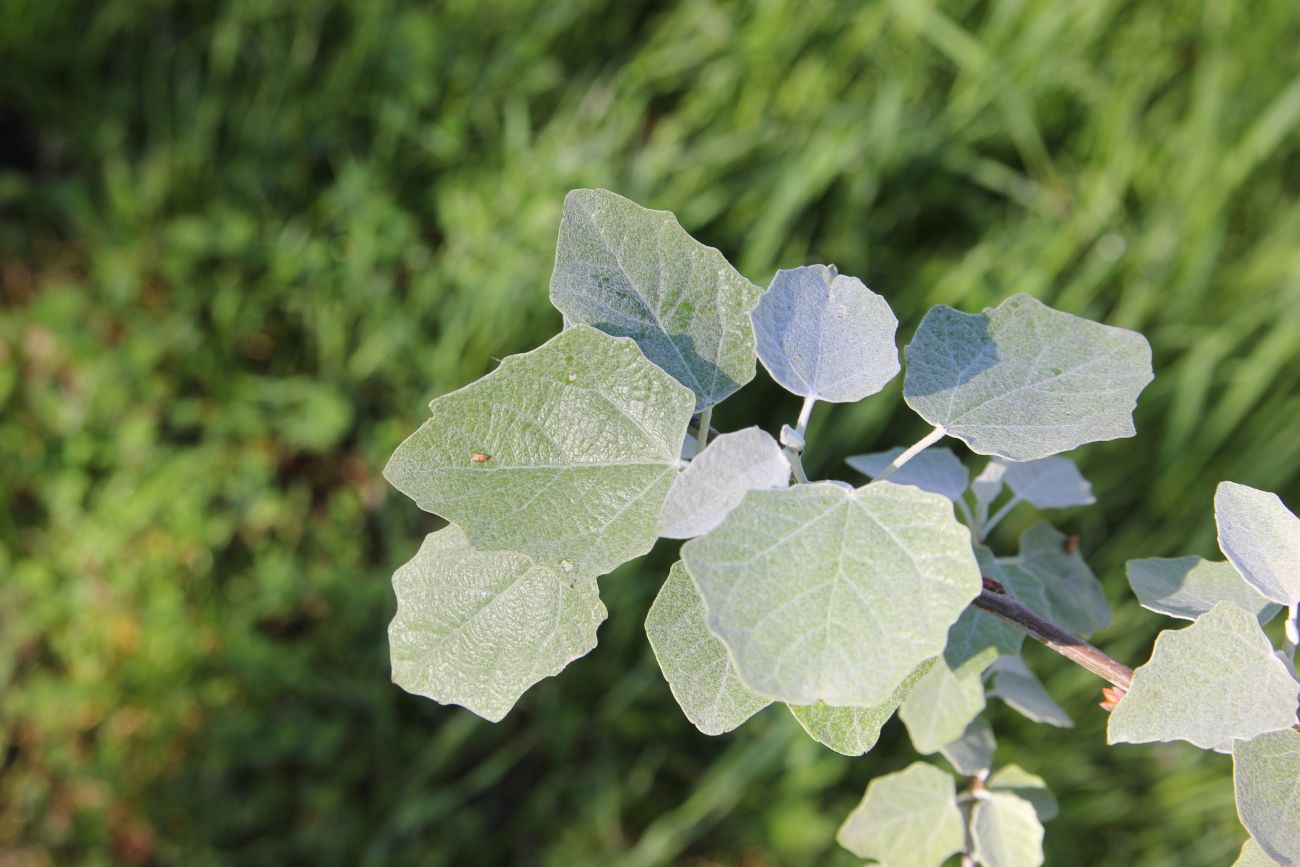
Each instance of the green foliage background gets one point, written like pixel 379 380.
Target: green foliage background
pixel 242 244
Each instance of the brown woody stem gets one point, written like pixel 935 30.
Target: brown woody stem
pixel 998 602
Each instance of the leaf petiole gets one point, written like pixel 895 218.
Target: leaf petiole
pixel 912 451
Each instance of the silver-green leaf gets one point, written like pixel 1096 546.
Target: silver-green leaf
pixel 973 751
pixel 1187 587
pixel 1018 781
pixel 1049 483
pixel 478 628
pixel 852 731
pixel 1006 831
pixel 634 272
pixel 834 595
pixel 1020 688
pixel 1253 855
pixel 988 484
pixel 906 819
pixel 565 453
pixel 1074 595
pixel 717 479
pixel 1024 381
pixel 1266 776
pixel 936 470
pixel 1213 682
pixel 694 661
pixel 1261 537
pixel 940 707
pixel 825 335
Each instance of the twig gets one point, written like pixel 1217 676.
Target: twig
pixel 997 601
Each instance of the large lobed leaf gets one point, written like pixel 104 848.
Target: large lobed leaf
pixel 1187 587
pixel 1261 537
pixel 1213 682
pixel 694 661
pixel 478 628
pixel 1024 381
pixel 825 335
pixel 565 453
pixel 634 272
pixel 834 595
pixel 1266 776
pixel 906 819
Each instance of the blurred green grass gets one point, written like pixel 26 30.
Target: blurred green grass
pixel 242 244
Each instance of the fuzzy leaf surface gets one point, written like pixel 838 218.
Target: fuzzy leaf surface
pixel 1049 483
pixel 1006 831
pixel 1187 587
pixel 716 480
pixel 1261 537
pixel 634 272
pixel 565 453
pixel 827 594
pixel 936 470
pixel 1253 855
pixel 1019 687
pixel 1266 777
pixel 906 819
pixel 1210 683
pixel 825 335
pixel 852 731
pixel 694 661
pixel 478 628
pixel 988 484
pixel 940 707
pixel 1024 381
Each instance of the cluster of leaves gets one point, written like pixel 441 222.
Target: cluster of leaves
pixel 1219 683
pixel 844 603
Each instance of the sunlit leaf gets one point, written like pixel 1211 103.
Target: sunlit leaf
pixel 852 731
pixel 1024 381
pixel 1253 855
pixel 834 595
pixel 940 706
pixel 825 335
pixel 973 751
pixel 1266 776
pixel 694 661
pixel 1187 587
pixel 1015 684
pixel 1018 781
pixel 1261 537
pixel 909 819
pixel 1006 831
pixel 565 453
pixel 718 478
pixel 1215 681
pixel 477 629
pixel 634 272
pixel 1049 483
pixel 936 470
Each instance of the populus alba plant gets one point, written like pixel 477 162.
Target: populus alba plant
pixel 844 603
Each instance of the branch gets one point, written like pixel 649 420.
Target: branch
pixel 997 601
